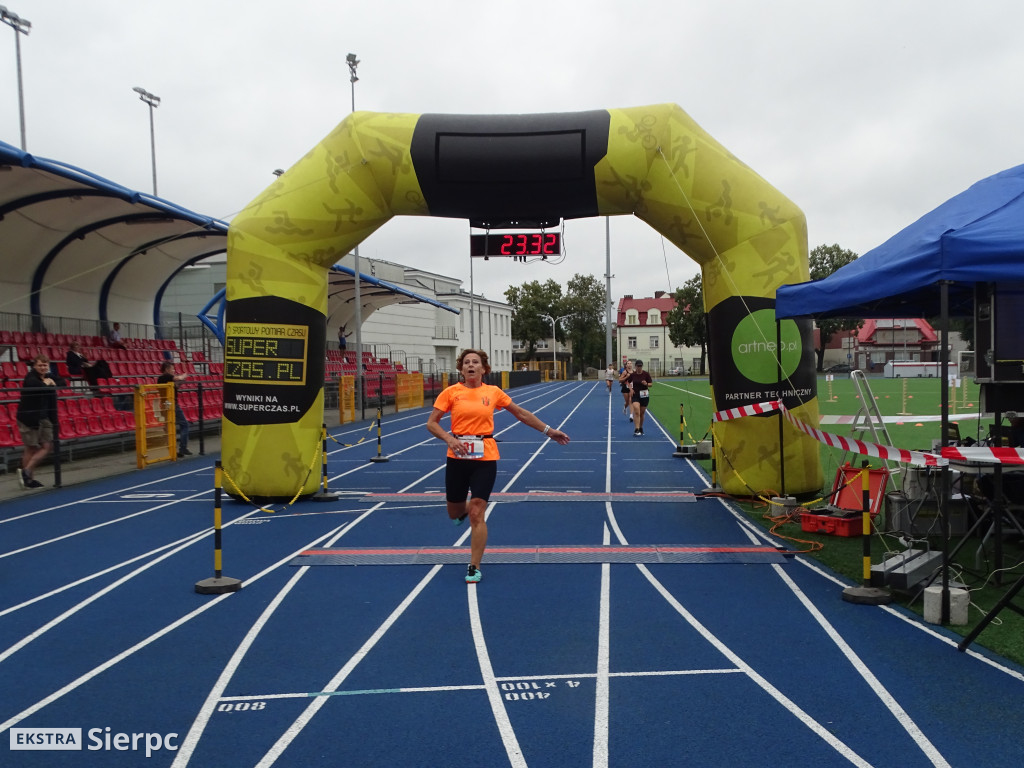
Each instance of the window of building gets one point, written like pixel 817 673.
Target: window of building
pixel 654 317
pixel 632 318
pixel 631 342
pixel 654 342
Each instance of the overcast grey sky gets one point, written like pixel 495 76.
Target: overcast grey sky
pixel 866 114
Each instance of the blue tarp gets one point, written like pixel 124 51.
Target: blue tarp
pixel 976 236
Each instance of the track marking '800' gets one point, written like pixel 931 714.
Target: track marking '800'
pixel 241 706
pixel 531 691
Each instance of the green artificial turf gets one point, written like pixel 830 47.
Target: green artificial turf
pixel 683 406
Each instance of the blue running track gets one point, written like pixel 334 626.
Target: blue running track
pixel 555 662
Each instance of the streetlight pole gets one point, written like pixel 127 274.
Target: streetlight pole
pixel 554 341
pixel 153 101
pixel 21 27
pixel 353 62
pixel 607 291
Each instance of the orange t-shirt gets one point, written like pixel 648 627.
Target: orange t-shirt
pixel 472 410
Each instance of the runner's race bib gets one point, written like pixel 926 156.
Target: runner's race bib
pixel 644 393
pixel 473 446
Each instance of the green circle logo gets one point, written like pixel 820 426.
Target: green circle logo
pixel 753 347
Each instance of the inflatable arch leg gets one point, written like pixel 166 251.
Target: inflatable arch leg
pixel 653 162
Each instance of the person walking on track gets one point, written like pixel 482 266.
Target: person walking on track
pixel 640 382
pixel 472 464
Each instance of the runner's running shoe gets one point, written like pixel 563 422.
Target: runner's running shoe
pixel 460 520
pixel 472 575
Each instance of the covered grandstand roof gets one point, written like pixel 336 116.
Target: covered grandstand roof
pixel 73 244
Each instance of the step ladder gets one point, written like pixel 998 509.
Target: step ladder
pixel 868 420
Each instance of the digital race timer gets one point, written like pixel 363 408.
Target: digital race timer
pixel 516 244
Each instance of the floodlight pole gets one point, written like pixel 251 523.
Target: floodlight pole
pixel 153 101
pixel 21 27
pixel 353 62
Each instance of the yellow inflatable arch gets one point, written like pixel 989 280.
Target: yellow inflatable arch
pixel 653 162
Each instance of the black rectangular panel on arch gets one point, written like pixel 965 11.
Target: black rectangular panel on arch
pixel 501 168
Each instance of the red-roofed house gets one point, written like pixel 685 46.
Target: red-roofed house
pixel 642 334
pixel 879 341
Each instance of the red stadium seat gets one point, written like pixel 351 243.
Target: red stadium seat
pixel 9 436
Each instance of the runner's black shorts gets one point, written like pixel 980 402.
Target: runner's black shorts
pixel 474 476
pixel 644 401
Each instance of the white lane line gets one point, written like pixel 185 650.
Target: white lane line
pixel 97 574
pixel 96 527
pixel 601 710
pixel 314 706
pixel 789 705
pixel 11 650
pixel 888 700
pixel 508 735
pixel 206 711
pixel 602 714
pixel 873 682
pixel 100 496
pixel 115 660
pixel 676 387
pixel 915 622
pixel 191 740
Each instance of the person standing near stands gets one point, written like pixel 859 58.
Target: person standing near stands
pixel 168 376
pixel 640 382
pixel 37 417
pixel 472 464
pixel 609 375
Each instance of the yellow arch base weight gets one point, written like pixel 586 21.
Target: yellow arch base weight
pixel 653 162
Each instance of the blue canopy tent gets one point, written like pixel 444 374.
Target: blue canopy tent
pixel 930 269
pixel 976 236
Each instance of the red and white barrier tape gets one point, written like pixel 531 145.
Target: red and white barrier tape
pixel 991 455
pixel 885 452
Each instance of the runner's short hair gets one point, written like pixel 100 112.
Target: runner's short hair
pixel 483 358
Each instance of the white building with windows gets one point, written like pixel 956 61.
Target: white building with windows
pixel 642 333
pixel 427 338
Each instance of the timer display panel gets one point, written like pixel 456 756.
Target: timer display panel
pixel 516 244
pixel 265 353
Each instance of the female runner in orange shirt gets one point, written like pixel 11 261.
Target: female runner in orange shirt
pixel 472 452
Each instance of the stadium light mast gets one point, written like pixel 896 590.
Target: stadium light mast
pixel 353 62
pixel 21 27
pixel 153 101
